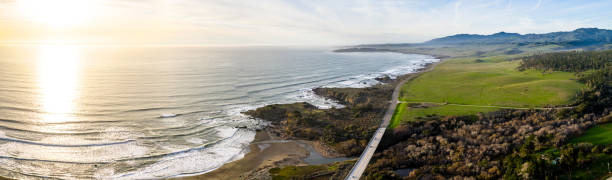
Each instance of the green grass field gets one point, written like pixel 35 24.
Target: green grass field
pixel 600 134
pixel 307 172
pixel 484 81
pixel 400 109
pixel 500 84
pixel 405 113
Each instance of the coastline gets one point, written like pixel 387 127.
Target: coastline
pixel 256 163
pixel 403 51
pixel 280 151
pixel 266 151
pixel 258 160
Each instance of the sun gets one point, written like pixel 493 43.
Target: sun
pixel 57 13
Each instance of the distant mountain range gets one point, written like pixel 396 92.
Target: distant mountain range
pixel 582 36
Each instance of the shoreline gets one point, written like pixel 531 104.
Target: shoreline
pixel 368 49
pixel 279 151
pixel 258 159
pixel 265 152
pixel 262 155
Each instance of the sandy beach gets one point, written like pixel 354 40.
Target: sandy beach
pixel 265 152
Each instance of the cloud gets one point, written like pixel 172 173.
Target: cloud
pixel 318 22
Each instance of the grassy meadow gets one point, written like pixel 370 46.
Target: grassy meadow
pixel 598 135
pixel 323 171
pixel 483 81
pixel 405 112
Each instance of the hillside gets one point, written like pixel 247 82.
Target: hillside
pixel 582 36
pixel 466 45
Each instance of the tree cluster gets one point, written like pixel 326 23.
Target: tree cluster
pixel 471 147
pixel 534 160
pixel 571 61
pixel 598 94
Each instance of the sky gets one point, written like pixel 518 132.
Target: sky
pixel 289 22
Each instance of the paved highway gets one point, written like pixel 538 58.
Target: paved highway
pixel 365 157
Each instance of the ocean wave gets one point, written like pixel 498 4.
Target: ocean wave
pixel 98 153
pixel 149 109
pixel 168 115
pixel 309 96
pixel 192 162
pixel 63 145
pixel 204 143
pixel 38 133
pixel 368 80
pixel 360 81
pixel 302 95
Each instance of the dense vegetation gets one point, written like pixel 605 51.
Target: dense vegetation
pixel 572 61
pixel 470 146
pixel 598 94
pixel 539 159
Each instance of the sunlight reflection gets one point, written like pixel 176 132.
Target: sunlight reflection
pixel 58 78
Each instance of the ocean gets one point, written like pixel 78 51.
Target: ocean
pixel 130 112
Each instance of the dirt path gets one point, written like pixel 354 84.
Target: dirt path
pixel 491 106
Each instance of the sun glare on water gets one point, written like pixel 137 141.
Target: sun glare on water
pixel 57 13
pixel 58 80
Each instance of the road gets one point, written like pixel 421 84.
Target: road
pixel 367 153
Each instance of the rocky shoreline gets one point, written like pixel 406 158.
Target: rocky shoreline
pixel 331 133
pixel 335 128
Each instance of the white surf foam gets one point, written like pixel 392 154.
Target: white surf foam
pixel 168 115
pixel 196 161
pixel 238 130
pixel 368 80
pixel 307 95
pixel 362 81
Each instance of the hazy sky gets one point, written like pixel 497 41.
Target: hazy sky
pixel 290 22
